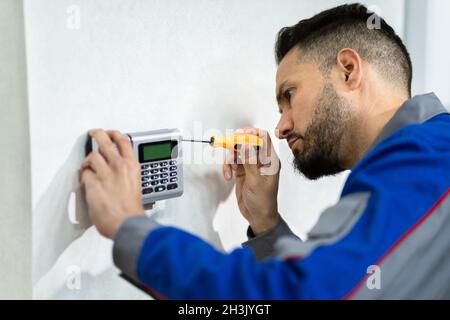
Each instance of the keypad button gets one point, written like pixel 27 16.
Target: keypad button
pixel 145 185
pixel 155 177
pixel 164 175
pixel 163 169
pixel 154 183
pixel 147 191
pixel 144 166
pixel 163 164
pixel 173 179
pixel 173 168
pixel 145 172
pixel 153 171
pixel 164 181
pixel 145 178
pixel 154 165
pixel 173 174
pixel 160 188
pixel 172 186
pixel 172 162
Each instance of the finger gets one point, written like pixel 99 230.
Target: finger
pixel 87 178
pixel 123 143
pixel 105 145
pixel 231 158
pixel 266 151
pixel 271 164
pixel 97 164
pixel 273 168
pixel 259 150
pixel 227 172
pixel 257 132
pixel 249 160
pixel 251 130
pixel 236 153
pixel 239 173
pixel 227 166
pixel 238 191
pixel 242 130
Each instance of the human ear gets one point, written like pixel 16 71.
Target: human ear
pixel 349 67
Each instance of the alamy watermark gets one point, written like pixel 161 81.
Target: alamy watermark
pixel 374 20
pixel 73 19
pixel 73 280
pixel 373 281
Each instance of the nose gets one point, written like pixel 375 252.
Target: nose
pixel 284 126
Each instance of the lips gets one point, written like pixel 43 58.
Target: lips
pixel 291 142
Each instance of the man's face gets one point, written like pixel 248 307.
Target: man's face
pixel 314 118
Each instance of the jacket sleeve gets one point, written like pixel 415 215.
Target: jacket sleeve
pixel 263 245
pixel 170 263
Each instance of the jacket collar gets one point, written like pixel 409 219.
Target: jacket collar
pixel 414 111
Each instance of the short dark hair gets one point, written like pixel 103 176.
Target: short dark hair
pixel 325 34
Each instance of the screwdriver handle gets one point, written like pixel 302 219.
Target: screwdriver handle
pixel 235 141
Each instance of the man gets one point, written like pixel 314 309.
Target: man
pixel 343 91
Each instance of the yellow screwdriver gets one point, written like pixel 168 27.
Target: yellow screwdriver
pixel 233 142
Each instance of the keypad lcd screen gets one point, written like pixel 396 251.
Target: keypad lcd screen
pixel 157 151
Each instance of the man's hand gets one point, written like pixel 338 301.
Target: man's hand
pixel 257 177
pixel 111 179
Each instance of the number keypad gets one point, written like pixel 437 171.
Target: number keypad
pixel 156 174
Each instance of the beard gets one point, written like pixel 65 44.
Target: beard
pixel 324 136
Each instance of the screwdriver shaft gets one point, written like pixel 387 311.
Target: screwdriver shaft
pixel 201 141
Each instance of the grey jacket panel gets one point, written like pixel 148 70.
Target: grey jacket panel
pixel 416 110
pixel 416 267
pixel 334 224
pixel 128 243
pixel 263 244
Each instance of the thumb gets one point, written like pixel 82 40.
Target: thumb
pixel 249 158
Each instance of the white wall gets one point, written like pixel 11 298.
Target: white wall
pixel 15 189
pixel 138 65
pixel 427 37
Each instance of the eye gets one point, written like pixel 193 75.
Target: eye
pixel 288 94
